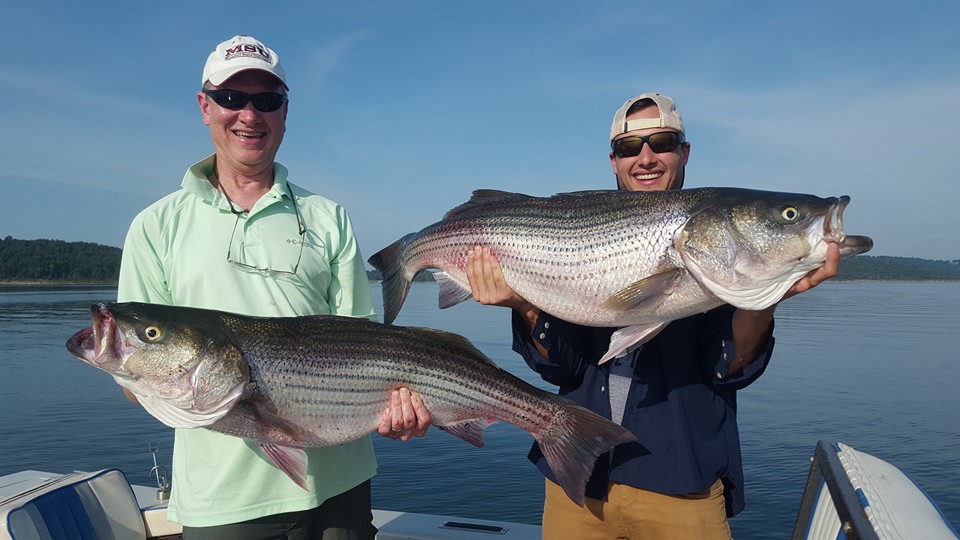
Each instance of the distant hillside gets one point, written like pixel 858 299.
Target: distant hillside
pixel 867 267
pixel 56 260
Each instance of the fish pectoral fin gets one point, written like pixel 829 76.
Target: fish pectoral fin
pixel 644 293
pixel 470 431
pixel 625 339
pixel 289 459
pixel 451 292
pixel 274 423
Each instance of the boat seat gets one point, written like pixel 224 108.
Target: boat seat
pixel 851 494
pixel 98 505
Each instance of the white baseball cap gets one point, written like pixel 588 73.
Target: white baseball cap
pixel 241 53
pixel 669 116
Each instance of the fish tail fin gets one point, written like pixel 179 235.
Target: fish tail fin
pixel 397 278
pixel 572 444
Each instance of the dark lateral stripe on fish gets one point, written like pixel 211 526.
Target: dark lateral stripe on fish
pixel 446 383
pixel 440 392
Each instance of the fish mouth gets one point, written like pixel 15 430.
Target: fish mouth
pixel 833 221
pixel 99 343
pixel 833 230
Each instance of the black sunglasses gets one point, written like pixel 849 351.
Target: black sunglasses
pixel 665 141
pixel 234 100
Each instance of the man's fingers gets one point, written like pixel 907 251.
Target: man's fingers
pixel 406 409
pixel 396 412
pixel 423 416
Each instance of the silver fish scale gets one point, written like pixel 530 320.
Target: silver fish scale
pixel 344 369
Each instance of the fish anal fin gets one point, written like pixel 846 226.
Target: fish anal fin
pixel 644 293
pixel 630 336
pixel 451 292
pixel 289 459
pixel 470 431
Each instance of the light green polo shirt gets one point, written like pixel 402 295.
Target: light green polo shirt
pixel 176 253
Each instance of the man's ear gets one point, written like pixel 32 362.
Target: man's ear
pixel 204 107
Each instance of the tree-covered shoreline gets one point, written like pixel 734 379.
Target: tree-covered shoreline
pixel 59 263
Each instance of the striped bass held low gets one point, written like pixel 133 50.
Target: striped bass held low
pixel 633 260
pixel 294 382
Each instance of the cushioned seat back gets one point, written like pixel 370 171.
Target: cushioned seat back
pixel 95 506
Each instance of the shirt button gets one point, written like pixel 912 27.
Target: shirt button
pixel 543 335
pixel 546 325
pixel 719 375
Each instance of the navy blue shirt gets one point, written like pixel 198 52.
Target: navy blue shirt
pixel 682 405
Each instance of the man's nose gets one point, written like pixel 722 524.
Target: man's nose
pixel 249 112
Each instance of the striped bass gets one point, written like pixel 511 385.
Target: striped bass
pixel 633 260
pixel 294 382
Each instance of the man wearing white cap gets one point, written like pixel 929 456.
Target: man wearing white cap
pixel 240 237
pixel 683 477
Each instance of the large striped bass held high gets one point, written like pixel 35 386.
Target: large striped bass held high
pixel 294 382
pixel 633 260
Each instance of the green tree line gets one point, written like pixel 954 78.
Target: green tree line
pixel 869 267
pixel 57 260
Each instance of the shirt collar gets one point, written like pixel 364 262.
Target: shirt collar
pixel 196 181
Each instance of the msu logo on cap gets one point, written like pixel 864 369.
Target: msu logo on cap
pixel 247 51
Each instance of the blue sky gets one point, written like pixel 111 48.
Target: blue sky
pixel 400 109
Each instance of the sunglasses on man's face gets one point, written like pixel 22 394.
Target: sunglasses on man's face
pixel 234 100
pixel 666 141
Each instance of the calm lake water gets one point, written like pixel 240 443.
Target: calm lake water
pixel 872 365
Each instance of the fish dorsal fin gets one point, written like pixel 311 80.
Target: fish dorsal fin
pixel 644 293
pixel 451 292
pixel 484 197
pixel 453 340
pixel 585 193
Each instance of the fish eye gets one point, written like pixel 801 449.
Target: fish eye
pixel 153 333
pixel 790 213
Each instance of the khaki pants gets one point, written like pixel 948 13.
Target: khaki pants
pixel 635 514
